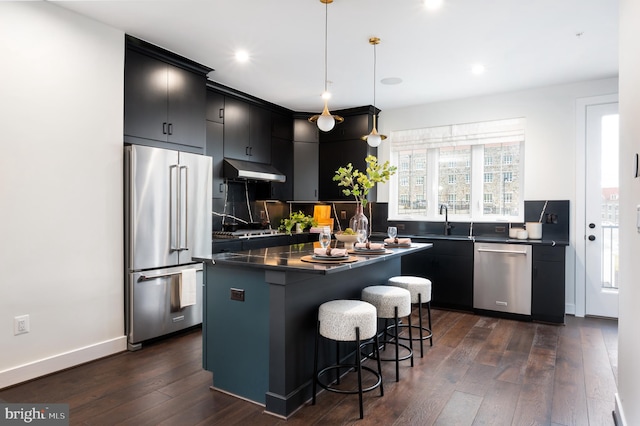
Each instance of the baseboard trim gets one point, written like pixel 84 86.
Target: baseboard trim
pixel 22 373
pixel 618 414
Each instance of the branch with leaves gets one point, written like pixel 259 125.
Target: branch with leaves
pixel 359 184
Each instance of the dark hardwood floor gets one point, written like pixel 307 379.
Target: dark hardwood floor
pixel 480 371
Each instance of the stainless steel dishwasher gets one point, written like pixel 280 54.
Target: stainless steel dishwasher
pixel 502 277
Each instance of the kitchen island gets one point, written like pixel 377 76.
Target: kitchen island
pixel 260 314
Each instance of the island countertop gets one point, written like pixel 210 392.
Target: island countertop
pixel 260 317
pixel 289 258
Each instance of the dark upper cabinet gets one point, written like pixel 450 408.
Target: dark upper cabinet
pixel 215 149
pixel 354 127
pixel 281 126
pixel 341 146
pixel 282 160
pixel 215 106
pixel 247 131
pixel 305 159
pixel 163 102
pixel 260 140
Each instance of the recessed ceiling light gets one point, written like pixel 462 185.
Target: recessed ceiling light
pixel 391 80
pixel 477 69
pixel 242 56
pixel 433 4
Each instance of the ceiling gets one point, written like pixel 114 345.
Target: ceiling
pixel 522 43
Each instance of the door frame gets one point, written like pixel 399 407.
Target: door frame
pixel 580 213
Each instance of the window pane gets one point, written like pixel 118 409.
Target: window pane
pixel 496 200
pixel 455 165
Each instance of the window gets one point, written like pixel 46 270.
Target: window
pixel 474 168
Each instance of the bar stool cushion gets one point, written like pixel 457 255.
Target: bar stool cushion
pixel 339 319
pixel 415 285
pixel 385 298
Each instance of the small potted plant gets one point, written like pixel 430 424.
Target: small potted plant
pixel 297 220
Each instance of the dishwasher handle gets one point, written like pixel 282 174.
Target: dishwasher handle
pixel 501 251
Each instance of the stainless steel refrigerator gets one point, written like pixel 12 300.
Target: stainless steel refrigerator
pixel 167 222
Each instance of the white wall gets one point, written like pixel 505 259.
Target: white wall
pixel 627 407
pixel 550 146
pixel 61 257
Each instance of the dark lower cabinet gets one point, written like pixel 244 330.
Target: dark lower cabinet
pixel 449 266
pixel 548 284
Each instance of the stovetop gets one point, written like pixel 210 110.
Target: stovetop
pixel 245 233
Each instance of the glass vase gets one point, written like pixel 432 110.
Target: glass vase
pixel 359 220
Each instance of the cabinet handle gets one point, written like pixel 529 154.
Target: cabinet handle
pixel 251 151
pixel 246 151
pixel 164 128
pixel 221 113
pixel 170 128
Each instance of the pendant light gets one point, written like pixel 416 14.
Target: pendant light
pixel 374 139
pixel 326 120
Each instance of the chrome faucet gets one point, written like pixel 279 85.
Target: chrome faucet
pixel 447 226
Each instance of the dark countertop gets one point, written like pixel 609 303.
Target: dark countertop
pixel 288 258
pixel 486 239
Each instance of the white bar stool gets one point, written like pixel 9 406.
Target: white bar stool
pixel 391 303
pixel 420 289
pixel 347 321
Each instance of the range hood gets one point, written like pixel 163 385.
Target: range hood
pixel 240 169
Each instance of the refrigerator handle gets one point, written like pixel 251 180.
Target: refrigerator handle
pixel 174 208
pixel 184 202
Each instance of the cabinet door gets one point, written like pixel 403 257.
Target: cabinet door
pixel 334 155
pixel 305 171
pixel 236 128
pixel 145 97
pixel 281 126
pixel 282 159
pixel 354 127
pixel 215 149
pixel 186 107
pixel 260 139
pixel 548 284
pixel 215 106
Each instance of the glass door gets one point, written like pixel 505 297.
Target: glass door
pixel 601 210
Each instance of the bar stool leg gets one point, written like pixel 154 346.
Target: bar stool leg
pixel 420 323
pixel 315 365
pixel 430 328
pixel 359 367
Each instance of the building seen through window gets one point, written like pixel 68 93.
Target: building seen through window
pixel 473 168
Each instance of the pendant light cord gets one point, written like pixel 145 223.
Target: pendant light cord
pixel 326 26
pixel 374 77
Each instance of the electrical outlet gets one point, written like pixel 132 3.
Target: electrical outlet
pixel 343 214
pixel 262 214
pixel 237 294
pixel 20 325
